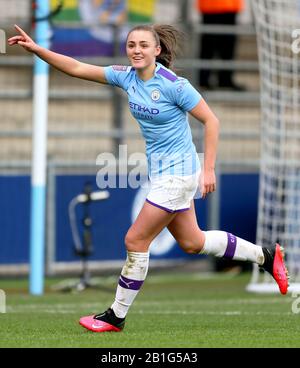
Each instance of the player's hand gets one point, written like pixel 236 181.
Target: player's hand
pixel 207 182
pixel 23 40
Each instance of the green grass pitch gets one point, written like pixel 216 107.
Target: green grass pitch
pixel 172 311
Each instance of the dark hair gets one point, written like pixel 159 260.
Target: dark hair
pixel 167 37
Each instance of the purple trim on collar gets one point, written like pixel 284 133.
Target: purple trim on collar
pixel 165 208
pixel 231 246
pixel 165 73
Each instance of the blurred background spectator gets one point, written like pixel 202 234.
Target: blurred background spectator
pixel 222 46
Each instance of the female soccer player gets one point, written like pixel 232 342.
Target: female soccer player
pixel 160 102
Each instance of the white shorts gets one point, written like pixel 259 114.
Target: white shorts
pixel 173 193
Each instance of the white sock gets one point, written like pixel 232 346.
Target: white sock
pixel 226 245
pixel 132 277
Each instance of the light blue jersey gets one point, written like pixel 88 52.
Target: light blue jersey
pixel 160 106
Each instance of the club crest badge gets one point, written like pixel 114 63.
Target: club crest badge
pixel 155 95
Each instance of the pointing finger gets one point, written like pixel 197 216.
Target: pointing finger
pixel 20 30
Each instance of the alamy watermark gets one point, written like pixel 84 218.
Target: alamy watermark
pixel 295 46
pixel 2 301
pixel 296 303
pixel 2 42
pixel 130 170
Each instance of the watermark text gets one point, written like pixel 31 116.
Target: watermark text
pixel 2 301
pixel 131 170
pixel 295 46
pixel 296 303
pixel 2 42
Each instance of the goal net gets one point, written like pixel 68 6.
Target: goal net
pixel 277 23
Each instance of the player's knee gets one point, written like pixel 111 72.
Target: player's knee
pixel 193 246
pixel 190 247
pixel 133 244
pixel 129 241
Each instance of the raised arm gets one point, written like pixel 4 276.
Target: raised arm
pixel 63 63
pixel 203 113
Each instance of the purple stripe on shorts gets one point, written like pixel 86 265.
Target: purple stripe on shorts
pixel 167 74
pixel 129 283
pixel 231 246
pixel 181 210
pixel 161 207
pixel 165 208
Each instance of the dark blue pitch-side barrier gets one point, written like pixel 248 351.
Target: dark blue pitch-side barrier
pixel 112 218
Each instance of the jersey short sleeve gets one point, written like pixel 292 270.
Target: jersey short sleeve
pixel 186 96
pixel 117 75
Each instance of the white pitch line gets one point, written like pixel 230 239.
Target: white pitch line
pixel 68 310
pixel 198 303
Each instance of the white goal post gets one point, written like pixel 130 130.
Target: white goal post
pixel 278 38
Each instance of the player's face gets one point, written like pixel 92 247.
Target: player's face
pixel 141 49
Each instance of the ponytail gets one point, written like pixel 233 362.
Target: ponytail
pixel 168 38
pixel 170 41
